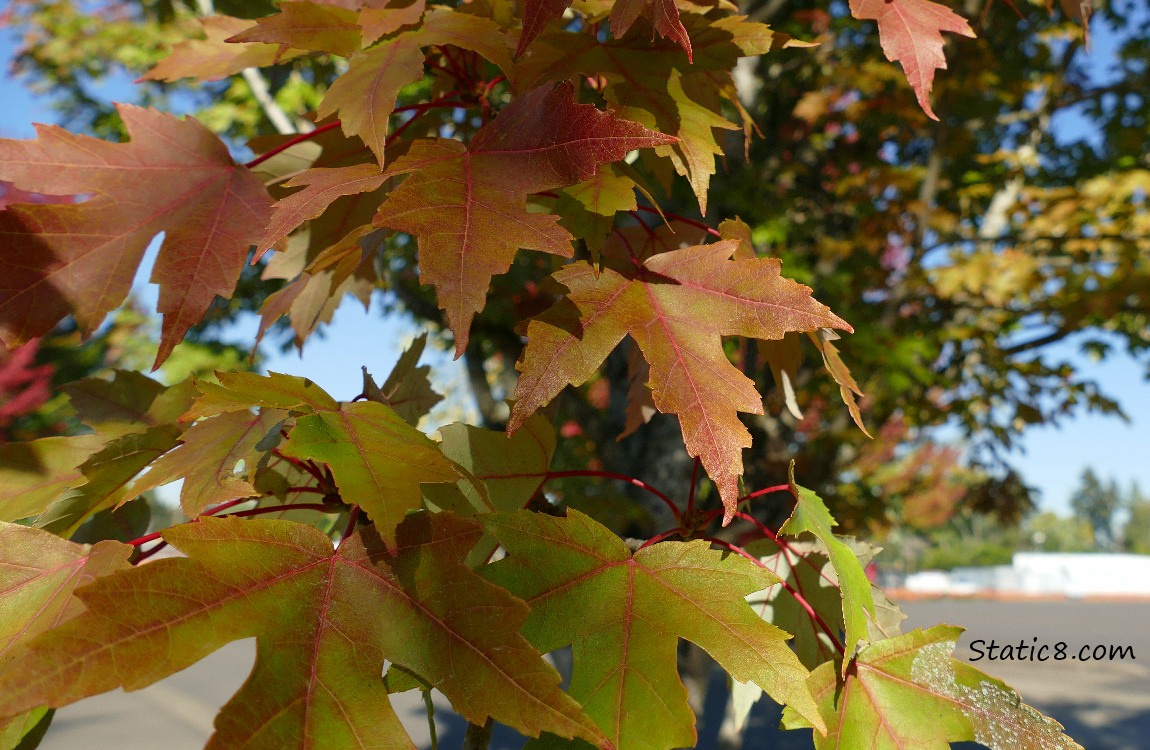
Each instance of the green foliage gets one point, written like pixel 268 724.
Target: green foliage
pixel 1096 503
pixel 451 157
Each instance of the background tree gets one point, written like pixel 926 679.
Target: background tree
pixel 964 247
pixel 1136 532
pixel 1096 503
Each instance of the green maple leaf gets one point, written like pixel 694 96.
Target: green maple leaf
pixel 909 692
pixel 174 176
pixel 36 473
pixel 324 620
pixel 811 516
pixel 466 205
pixel 501 472
pixel 677 306
pixel 623 614
pixel 378 460
pixel 108 478
pixel 240 391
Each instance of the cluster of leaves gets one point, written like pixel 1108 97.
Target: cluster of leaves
pixel 470 133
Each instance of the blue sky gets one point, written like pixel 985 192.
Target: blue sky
pixel 1051 458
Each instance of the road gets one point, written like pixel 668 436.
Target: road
pixel 1103 705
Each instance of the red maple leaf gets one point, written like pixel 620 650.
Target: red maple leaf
pixel 911 34
pixel 174 176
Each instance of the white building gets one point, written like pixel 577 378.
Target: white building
pixel 1043 574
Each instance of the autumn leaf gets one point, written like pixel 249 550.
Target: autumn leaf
pixel 407 389
pixel 632 611
pixel 214 57
pixel 378 460
pixel 36 473
pixel 174 176
pixel 467 204
pixel 313 295
pixel 324 620
pixel 911 34
pixel 108 478
pixel 664 16
pixel 910 692
pixel 848 388
pixel 321 187
pixel 811 516
pixel 364 95
pixel 377 22
pixel 38 573
pixel 657 87
pixel 317 27
pixel 677 308
pixel 207 457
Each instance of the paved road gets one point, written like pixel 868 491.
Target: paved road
pixel 1104 705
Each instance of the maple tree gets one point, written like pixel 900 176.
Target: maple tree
pixel 465 135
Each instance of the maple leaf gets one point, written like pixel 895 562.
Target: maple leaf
pixel 655 86
pixel 664 17
pixel 107 477
pixel 207 456
pixel 311 298
pixel 909 691
pixel 365 94
pixel 500 473
pixel 214 57
pixel 467 204
pixel 632 611
pixel 378 460
pixel 38 573
pixel 388 18
pixel 911 34
pixel 321 187
pixel 588 209
pixel 811 515
pixel 35 473
pixel 324 620
pixel 317 27
pixel 407 389
pixel 677 309
pixel 174 176
pixel 45 570
pixel 848 388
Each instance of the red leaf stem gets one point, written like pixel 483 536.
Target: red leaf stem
pixel 282 508
pixel 783 544
pixel 694 483
pixel 798 597
pixel 291 142
pixel 693 222
pixel 549 475
pixel 353 519
pixel 660 537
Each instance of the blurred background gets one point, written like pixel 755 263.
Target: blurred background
pixel 995 266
